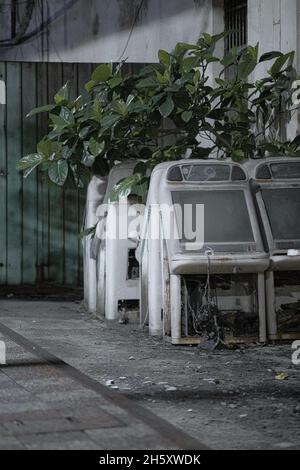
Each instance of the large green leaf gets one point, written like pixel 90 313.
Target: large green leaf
pixel 44 147
pixel 119 107
pixel 279 63
pixel 67 115
pixel 62 96
pixel 187 116
pixel 149 82
pixel 88 232
pixel 164 57
pixel 270 56
pixel 29 163
pixel 41 109
pixel 58 172
pixel 102 73
pixel 115 81
pixel 167 107
pixel 90 85
pixel 125 187
pixel 58 121
pixel 95 147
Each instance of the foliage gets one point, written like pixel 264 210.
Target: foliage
pixel 231 115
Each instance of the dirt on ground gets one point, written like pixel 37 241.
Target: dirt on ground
pixel 247 398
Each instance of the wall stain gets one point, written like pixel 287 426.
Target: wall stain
pixel 128 10
pixel 95 25
pixel 199 3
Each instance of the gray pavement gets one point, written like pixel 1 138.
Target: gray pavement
pixel 164 394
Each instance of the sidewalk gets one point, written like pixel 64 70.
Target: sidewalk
pixel 166 397
pixel 47 404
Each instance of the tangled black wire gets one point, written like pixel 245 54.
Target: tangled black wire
pixel 206 318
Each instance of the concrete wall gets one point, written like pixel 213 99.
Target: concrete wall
pixel 274 24
pixel 99 30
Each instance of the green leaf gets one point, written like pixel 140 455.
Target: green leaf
pixel 67 115
pixel 62 96
pixel 279 63
pixel 150 82
pixel 182 47
pixel 249 61
pixel 29 163
pixel 162 79
pixel 167 107
pixel 119 107
pixel 58 121
pixel 81 175
pixel 96 148
pixel 42 109
pixel 87 158
pixel 114 82
pixel 102 73
pixel 84 132
pixel 109 121
pixel 124 188
pixel 141 188
pixel 238 155
pixel 164 57
pixel 44 147
pixel 187 116
pixel 270 55
pixel 190 63
pixel 296 141
pixel 90 85
pixel 58 172
pixel 208 39
pixel 88 232
pixel 246 68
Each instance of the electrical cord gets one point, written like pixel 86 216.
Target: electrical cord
pixel 205 320
pixel 131 31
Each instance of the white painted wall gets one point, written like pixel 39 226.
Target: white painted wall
pixel 98 30
pixel 275 24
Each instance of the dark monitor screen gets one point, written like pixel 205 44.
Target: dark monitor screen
pixel 226 217
pixel 283 209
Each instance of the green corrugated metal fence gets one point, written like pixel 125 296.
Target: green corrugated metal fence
pixel 39 224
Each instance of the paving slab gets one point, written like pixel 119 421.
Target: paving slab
pixel 52 405
pixel 227 399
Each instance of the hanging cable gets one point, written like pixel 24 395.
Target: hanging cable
pixel 131 31
pixel 205 319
